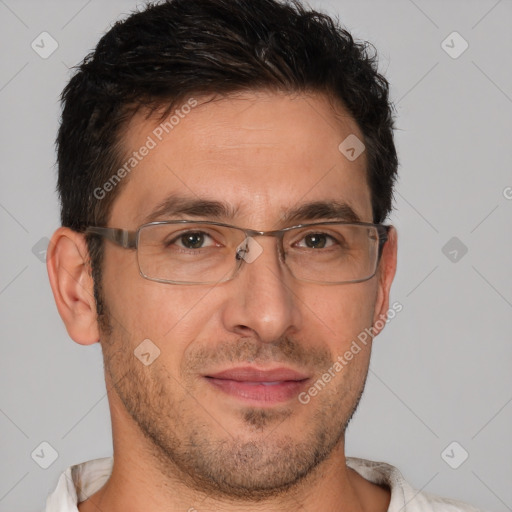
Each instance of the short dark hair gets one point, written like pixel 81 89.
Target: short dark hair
pixel 169 51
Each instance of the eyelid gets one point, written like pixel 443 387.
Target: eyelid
pixel 203 230
pixel 302 233
pixel 324 229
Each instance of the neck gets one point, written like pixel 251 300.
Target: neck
pixel 137 483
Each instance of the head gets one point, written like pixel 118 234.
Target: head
pixel 238 107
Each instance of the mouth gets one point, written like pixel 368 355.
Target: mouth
pixel 258 386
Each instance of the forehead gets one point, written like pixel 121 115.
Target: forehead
pixel 260 153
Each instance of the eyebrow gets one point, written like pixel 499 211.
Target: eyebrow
pixel 174 205
pixel 178 206
pixel 322 210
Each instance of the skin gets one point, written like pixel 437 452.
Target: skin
pixel 179 443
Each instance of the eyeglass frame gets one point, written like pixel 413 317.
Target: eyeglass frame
pixel 129 239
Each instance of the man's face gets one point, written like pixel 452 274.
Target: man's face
pixel 262 155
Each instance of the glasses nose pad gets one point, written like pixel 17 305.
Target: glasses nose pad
pixel 241 250
pixel 249 250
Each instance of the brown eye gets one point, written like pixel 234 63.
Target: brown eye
pixel 192 240
pixel 316 241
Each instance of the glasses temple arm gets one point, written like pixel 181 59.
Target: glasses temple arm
pixel 122 237
pixel 383 238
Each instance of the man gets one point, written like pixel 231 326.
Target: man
pixel 225 167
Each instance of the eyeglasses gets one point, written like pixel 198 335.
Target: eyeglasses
pixel 205 252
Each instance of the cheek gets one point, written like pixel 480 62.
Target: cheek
pixel 341 312
pixel 163 313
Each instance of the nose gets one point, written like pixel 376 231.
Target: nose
pixel 261 300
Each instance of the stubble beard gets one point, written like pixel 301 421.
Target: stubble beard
pixel 188 445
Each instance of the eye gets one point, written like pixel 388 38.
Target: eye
pixel 192 240
pixel 316 241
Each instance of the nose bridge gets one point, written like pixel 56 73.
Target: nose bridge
pixel 275 238
pixel 262 254
pixel 265 302
pixel 252 246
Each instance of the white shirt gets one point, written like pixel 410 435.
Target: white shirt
pixel 79 482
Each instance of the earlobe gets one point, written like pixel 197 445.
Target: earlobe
pixel 67 261
pixel 385 275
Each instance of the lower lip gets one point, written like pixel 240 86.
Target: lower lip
pixel 260 393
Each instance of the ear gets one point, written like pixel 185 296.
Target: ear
pixel 67 261
pixel 385 275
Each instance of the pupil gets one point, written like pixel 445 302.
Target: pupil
pixel 315 241
pixel 192 240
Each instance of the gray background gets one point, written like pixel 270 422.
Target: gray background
pixel 441 369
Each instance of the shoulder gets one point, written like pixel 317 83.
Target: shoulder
pixel 434 503
pixel 404 497
pixel 77 483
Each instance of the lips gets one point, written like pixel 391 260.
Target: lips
pixel 248 374
pixel 258 386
